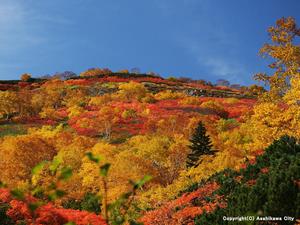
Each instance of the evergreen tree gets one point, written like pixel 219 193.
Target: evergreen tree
pixel 201 145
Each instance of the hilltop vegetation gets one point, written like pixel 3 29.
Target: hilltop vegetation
pixel 79 142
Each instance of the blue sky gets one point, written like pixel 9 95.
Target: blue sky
pixel 202 39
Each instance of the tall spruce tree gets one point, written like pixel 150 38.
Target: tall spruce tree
pixel 200 145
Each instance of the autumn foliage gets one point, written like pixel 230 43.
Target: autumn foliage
pixel 143 124
pixel 19 212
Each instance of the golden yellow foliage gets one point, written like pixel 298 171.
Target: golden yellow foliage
pixel 18 155
pixel 190 100
pixel 129 113
pixel 75 111
pixel 231 100
pixel 8 103
pixel 132 91
pixel 165 95
pixel 25 77
pixel 100 100
pixel 149 98
pixel 293 94
pixel 286 56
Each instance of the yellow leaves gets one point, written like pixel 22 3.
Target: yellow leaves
pixel 165 95
pixel 132 91
pixel 46 131
pixel 49 113
pixel 159 156
pixel 25 77
pixel 284 30
pixel 95 72
pixel 226 124
pixel 123 168
pixel 274 119
pixel 146 112
pixel 269 122
pixel 72 154
pixel 293 95
pixel 100 100
pixel 190 100
pixel 152 147
pixel 231 100
pixel 8 102
pixel 158 195
pixel 123 71
pixel 22 153
pixel 129 113
pixel 105 150
pixel 75 97
pixel 212 105
pixel 149 98
pixel 286 56
pixel 89 171
pixel 75 111
pixel 90 175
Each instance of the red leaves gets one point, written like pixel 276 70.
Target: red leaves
pixel 4 195
pixel 170 114
pixel 251 182
pixel 187 215
pixel 46 214
pixel 258 152
pixel 18 211
pixel 264 170
pixel 182 210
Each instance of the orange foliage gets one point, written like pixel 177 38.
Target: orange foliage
pixel 182 210
pixel 47 214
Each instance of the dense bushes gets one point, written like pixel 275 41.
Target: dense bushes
pixel 13 211
pixel 4 219
pixel 268 187
pixel 265 186
pixel 90 202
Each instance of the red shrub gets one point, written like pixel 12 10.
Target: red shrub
pixel 182 210
pixel 47 214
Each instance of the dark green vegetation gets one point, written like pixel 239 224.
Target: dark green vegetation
pixel 4 219
pixel 201 145
pixel 12 129
pixel 267 187
pixel 90 202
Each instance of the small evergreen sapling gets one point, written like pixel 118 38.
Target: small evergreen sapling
pixel 201 145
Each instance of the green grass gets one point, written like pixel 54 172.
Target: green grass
pixel 12 130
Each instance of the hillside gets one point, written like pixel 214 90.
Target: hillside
pixel 153 83
pixel 245 196
pixel 126 148
pixel 140 124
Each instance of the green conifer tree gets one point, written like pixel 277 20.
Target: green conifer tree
pixel 201 145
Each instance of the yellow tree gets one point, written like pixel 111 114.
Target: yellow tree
pixel 8 103
pixel 89 171
pixel 292 97
pixel 285 55
pixel 25 77
pixel 132 91
pixel 70 154
pixel 18 155
pixel 25 106
pixel 278 112
pixel 49 98
pixel 75 96
pixel 95 72
pixel 160 156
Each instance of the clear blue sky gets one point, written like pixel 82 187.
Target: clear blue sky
pixel 202 39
